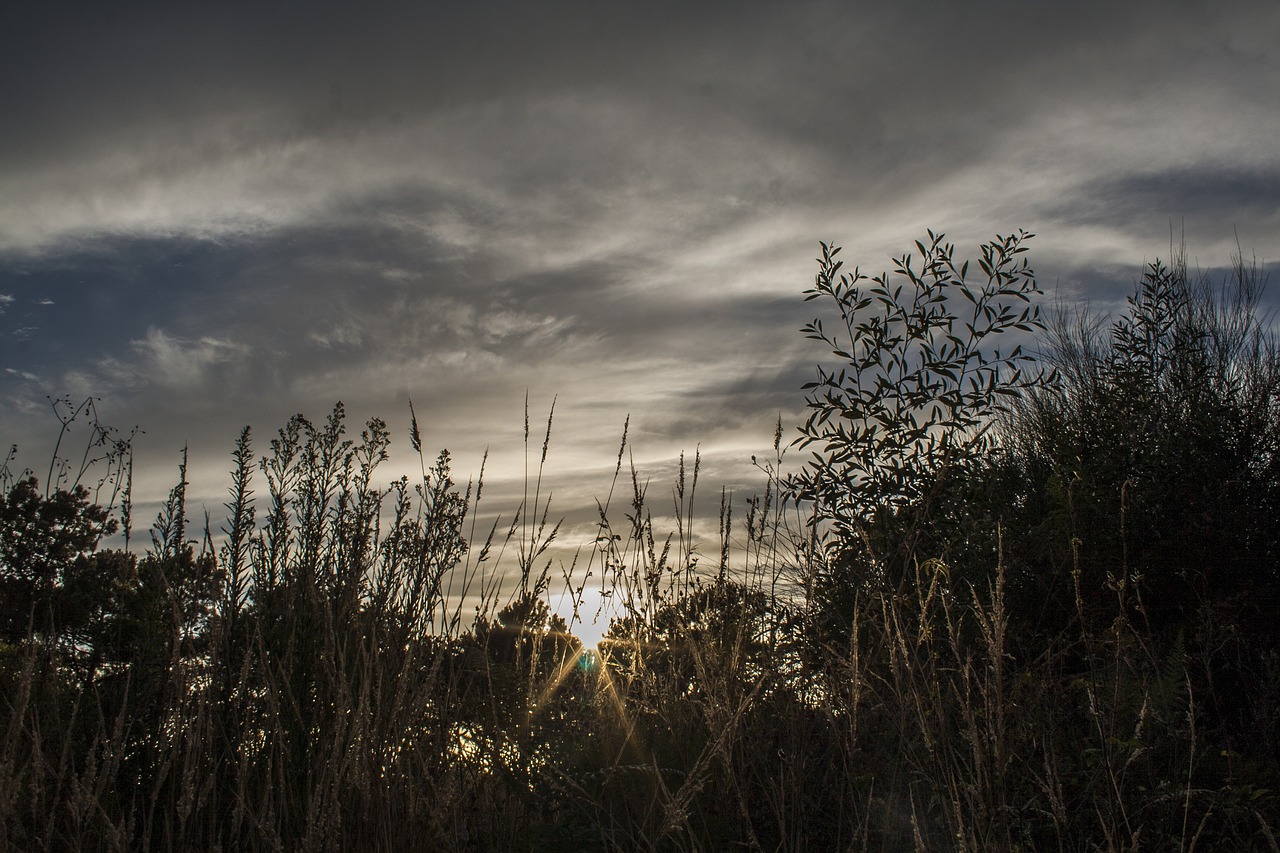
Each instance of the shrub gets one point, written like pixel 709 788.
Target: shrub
pixel 913 399
pixel 1150 481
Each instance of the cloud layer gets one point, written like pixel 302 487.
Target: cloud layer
pixel 213 214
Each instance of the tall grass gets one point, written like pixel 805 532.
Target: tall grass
pixel 334 693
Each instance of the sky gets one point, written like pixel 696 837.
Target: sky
pixel 214 215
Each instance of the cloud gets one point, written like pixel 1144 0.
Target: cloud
pixel 242 215
pixel 171 363
pixel 1206 194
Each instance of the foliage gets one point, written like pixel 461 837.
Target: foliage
pixel 43 545
pixel 1150 487
pixel 1071 655
pixel 1165 430
pixel 919 383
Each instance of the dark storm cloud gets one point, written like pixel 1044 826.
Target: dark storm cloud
pixel 210 120
pixel 1213 194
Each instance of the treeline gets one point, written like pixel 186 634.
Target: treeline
pixel 1020 595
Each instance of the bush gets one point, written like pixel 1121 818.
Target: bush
pixel 1150 480
pixel 914 398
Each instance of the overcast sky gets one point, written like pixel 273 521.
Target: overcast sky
pixel 215 215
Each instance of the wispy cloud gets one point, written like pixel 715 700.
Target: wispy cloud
pixel 166 363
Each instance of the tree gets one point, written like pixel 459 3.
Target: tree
pixel 1157 452
pixel 44 543
pixel 919 384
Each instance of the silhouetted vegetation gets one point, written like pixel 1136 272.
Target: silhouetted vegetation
pixel 1021 596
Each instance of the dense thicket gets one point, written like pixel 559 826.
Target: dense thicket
pixel 1019 597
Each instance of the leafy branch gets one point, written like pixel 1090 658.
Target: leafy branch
pixel 920 379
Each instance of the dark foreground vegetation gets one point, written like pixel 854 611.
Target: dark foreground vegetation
pixel 1008 603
